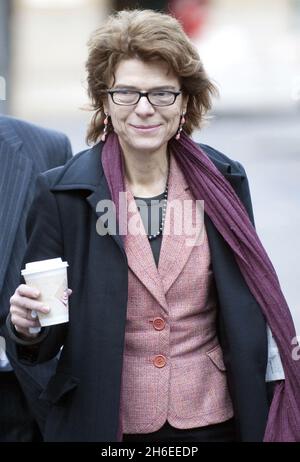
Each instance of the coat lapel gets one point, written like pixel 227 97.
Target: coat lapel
pixel 102 193
pixel 15 175
pixel 85 172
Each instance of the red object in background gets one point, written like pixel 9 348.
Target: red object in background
pixel 191 13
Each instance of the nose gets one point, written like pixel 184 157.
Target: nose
pixel 143 107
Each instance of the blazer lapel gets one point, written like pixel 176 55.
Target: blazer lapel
pixel 15 176
pixel 140 257
pixel 179 232
pixel 176 248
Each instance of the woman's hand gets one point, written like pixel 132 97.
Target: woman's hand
pixel 24 306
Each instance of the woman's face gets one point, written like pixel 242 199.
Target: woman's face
pixel 142 127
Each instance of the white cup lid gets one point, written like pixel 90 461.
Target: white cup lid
pixel 43 265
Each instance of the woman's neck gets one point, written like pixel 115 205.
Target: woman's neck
pixel 146 174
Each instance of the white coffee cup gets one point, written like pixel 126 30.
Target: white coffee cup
pixel 50 278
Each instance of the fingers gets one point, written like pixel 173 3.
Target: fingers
pixel 21 323
pixel 25 327
pixel 25 307
pixel 28 304
pixel 24 297
pixel 22 318
pixel 23 303
pixel 27 291
pixel 25 314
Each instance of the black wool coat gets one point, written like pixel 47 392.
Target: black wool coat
pixel 85 392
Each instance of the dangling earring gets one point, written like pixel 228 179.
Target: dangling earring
pixel 105 121
pixel 181 124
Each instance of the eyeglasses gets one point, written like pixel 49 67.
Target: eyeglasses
pixel 155 97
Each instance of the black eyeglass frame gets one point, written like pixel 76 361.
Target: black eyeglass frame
pixel 111 92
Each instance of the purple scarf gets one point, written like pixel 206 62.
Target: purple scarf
pixel 230 218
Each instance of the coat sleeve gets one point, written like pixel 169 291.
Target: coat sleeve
pixel 235 167
pixel 274 370
pixel 45 241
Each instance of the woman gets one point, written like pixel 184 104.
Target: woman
pixel 166 340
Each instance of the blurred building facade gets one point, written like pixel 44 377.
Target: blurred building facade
pixel 48 42
pixel 250 48
pixel 4 54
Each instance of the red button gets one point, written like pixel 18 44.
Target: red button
pixel 159 324
pixel 159 361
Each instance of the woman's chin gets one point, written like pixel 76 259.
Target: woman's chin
pixel 145 145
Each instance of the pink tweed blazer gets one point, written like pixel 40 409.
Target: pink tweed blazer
pixel 173 367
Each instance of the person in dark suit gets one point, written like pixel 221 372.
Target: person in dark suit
pixel 167 338
pixel 25 151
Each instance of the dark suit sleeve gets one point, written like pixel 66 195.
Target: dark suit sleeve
pixel 57 150
pixel 44 241
pixel 67 150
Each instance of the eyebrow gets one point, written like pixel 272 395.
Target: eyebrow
pixel 131 87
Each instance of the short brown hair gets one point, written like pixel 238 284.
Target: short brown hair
pixel 147 35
